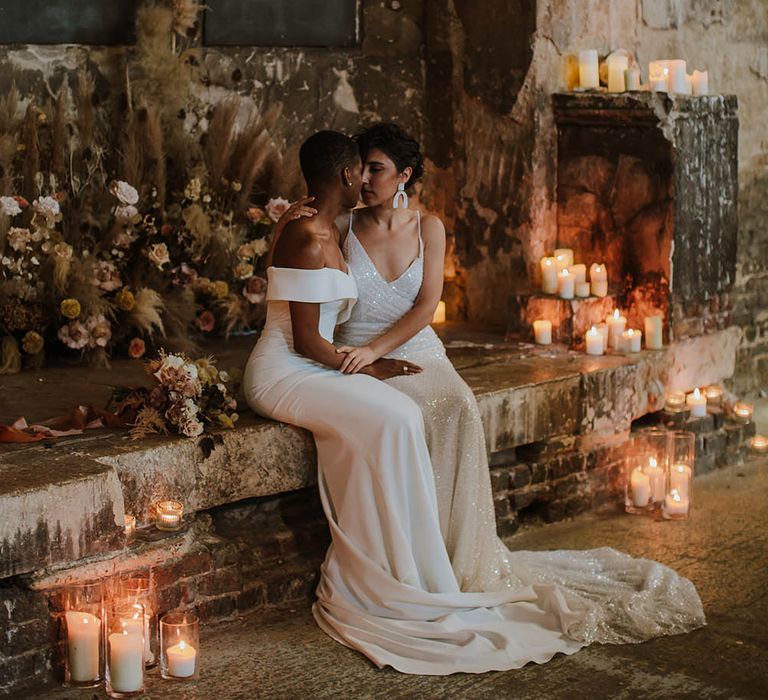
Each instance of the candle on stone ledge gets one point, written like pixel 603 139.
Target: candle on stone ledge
pixel 630 341
pixel 653 332
pixel 439 315
pixel 549 272
pixel 582 289
pixel 565 284
pixel 759 443
pixel 589 74
pixel 594 341
pixel 743 411
pixel 598 278
pixel 658 75
pixel 542 332
pixel 697 403
pixel 617 65
pixel 603 329
pixel 700 82
pixel 714 394
pixel 616 325
pixel 564 258
pixel 579 272
pixel 632 79
pixel 169 515
pixel 675 401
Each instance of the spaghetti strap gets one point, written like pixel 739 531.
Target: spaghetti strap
pixel 421 240
pixel 349 230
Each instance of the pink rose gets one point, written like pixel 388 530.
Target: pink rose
pixel 255 290
pixel 276 207
pixel 74 335
pixel 136 349
pixel 206 321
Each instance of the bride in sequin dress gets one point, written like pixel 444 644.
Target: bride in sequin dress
pixel 396 258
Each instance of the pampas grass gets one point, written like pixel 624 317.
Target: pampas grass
pixel 154 154
pixel 31 153
pixel 221 139
pixel 146 314
pixel 86 118
pixel 179 316
pixel 59 138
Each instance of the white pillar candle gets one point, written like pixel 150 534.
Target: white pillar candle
pixel 579 272
pixel 83 632
pixel 658 73
pixel 679 478
pixel 565 284
pixel 655 474
pixel 632 78
pixel 594 341
pixel 549 275
pixel 640 485
pixel 700 82
pixel 653 332
pixel 616 325
pixel 582 289
pixel 599 288
pixel 439 315
pixel 564 255
pixel 603 329
pixel 616 67
pixel 589 75
pixel 126 662
pixel 697 403
pixel 677 81
pixel 181 660
pixel 630 340
pixel 598 277
pixel 675 504
pixel 139 624
pixel 542 331
pixel 688 85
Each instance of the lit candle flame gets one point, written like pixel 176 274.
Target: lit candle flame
pixel 592 331
pixel 696 393
pixel 616 314
pixel 548 262
pixel 652 462
pixel 675 495
pixel 630 332
pixel 680 468
pixel 182 645
pixel 565 272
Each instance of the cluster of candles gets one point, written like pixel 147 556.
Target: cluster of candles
pixel 659 473
pixel 559 275
pixel 115 644
pixel 663 75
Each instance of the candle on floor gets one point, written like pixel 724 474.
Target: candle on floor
pixel 594 341
pixel 616 325
pixel 579 272
pixel 542 332
pixel 697 403
pixel 439 315
pixel 582 289
pixel 656 476
pixel 700 82
pixel 589 75
pixel 759 443
pixel 675 506
pixel 675 401
pixel 598 278
pixel 617 65
pixel 83 632
pixel 632 78
pixel 743 411
pixel 181 660
pixel 641 488
pixel 169 515
pixel 630 341
pixel 714 394
pixel 549 272
pixel 679 478
pixel 565 284
pixel 653 332
pixel 126 661
pixel 130 527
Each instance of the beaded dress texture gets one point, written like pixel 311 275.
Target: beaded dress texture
pixel 622 599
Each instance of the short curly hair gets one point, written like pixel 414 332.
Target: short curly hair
pixel 396 143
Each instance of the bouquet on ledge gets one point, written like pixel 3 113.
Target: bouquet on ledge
pixel 188 396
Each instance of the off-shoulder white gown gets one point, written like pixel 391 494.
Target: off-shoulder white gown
pixel 387 587
pixel 625 599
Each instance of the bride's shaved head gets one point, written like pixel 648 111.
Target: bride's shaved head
pixel 325 154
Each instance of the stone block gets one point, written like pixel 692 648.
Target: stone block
pixel 705 424
pixel 704 463
pixel 714 443
pixel 718 416
pixel 520 476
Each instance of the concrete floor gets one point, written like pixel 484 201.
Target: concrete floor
pixel 722 548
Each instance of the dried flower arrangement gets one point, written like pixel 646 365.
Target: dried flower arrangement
pixel 115 240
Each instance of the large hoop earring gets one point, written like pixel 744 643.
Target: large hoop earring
pixel 398 195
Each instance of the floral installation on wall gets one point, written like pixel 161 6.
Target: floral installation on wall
pixel 137 221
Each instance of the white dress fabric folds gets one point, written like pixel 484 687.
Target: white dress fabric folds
pixel 387 587
pixel 623 599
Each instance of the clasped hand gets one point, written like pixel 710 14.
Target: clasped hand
pixel 363 360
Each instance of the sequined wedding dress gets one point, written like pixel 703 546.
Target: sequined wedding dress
pixel 625 599
pixel 386 586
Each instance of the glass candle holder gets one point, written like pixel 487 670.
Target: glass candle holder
pixel 759 443
pixel 681 453
pixel 675 401
pixel 742 411
pixel 655 468
pixel 180 645
pixel 714 394
pixel 130 527
pixel 169 516
pixel 83 615
pixel 637 484
pixel 125 650
pixel 138 590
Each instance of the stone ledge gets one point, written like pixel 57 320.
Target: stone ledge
pixel 525 395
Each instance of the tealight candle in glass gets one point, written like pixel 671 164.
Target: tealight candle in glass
pixel 742 411
pixel 714 394
pixel 83 614
pixel 637 484
pixel 697 403
pixel 180 645
pixel 138 590
pixel 681 455
pixel 169 515
pixel 655 468
pixel 675 401
pixel 125 650
pixel 759 443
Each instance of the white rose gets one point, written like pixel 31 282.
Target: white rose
pixel 9 206
pixel 259 246
pixel 125 212
pixel 126 193
pixel 18 239
pixel 158 254
pixel 47 206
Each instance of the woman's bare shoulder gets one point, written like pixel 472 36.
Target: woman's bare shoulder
pixel 432 227
pixel 299 246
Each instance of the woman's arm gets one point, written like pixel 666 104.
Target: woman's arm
pixel 420 314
